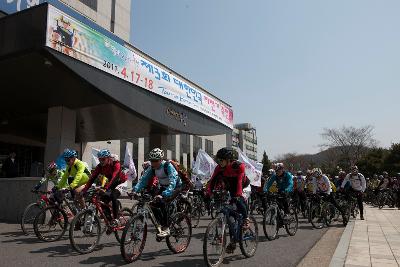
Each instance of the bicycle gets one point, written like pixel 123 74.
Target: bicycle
pixel 214 243
pixel 54 216
pixel 322 212
pixel 32 210
pixel 134 235
pixel 87 223
pixel 273 218
pixel 216 203
pixel 198 207
pixel 385 197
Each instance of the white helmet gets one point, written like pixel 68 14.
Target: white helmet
pixel 156 154
pixel 317 172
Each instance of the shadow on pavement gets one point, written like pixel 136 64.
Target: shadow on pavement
pixel 67 251
pixel 109 261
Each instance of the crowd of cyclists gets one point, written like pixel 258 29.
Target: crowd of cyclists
pixel 166 194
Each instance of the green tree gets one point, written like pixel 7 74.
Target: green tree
pixel 266 163
pixel 373 162
pixel 392 160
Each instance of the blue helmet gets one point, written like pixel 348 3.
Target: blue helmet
pixel 70 153
pixel 104 153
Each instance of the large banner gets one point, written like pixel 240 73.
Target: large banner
pixel 203 167
pixel 253 169
pixel 75 39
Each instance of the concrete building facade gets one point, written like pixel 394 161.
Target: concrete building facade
pixel 244 136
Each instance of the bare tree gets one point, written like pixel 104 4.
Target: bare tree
pixel 351 142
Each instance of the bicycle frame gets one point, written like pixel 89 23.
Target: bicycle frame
pixel 98 206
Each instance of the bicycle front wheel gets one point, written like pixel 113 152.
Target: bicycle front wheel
pixel 133 239
pixel 125 215
pixel 85 231
pixel 317 216
pixel 181 233
pixel 214 243
pixel 50 224
pixel 28 217
pixel 270 223
pixel 248 240
pixel 292 224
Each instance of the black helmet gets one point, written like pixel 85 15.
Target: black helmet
pixel 299 173
pixel 226 153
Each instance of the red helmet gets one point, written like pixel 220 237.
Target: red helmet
pixel 51 167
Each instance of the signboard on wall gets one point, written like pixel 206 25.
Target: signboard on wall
pixel 75 39
pixel 12 6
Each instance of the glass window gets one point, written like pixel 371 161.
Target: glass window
pixel 90 3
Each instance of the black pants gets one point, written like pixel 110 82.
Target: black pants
pixel 241 207
pixel 301 198
pixel 359 196
pixel 283 201
pixel 160 210
pixel 112 196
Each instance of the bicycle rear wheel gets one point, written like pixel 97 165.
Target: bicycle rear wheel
pixel 85 231
pixel 248 239
pixel 28 217
pixel 181 233
pixel 214 243
pixel 50 224
pixel 133 239
pixel 270 223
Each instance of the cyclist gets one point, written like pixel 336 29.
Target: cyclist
pixel 230 174
pixel 299 187
pixel 322 185
pixel 358 186
pixel 168 181
pixel 339 182
pixel 75 176
pixel 284 181
pixel 53 174
pixel 109 172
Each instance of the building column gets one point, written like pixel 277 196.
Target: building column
pixel 141 156
pixel 61 132
pixel 178 148
pixel 191 148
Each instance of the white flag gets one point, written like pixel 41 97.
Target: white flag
pixel 203 167
pixel 128 163
pixel 253 169
pixel 95 159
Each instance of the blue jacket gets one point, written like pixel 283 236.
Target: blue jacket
pixel 284 183
pixel 169 180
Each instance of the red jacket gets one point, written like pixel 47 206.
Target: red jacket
pixel 233 175
pixel 112 172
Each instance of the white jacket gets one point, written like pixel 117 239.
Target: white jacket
pixel 357 182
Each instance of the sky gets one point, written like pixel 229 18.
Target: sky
pixel 291 68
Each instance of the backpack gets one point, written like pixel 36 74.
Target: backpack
pixel 246 180
pixel 183 176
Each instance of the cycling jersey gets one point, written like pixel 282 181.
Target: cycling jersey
pixel 357 182
pixel 232 176
pixel 55 179
pixel 284 182
pixel 322 185
pixel 384 184
pixel 333 186
pixel 168 181
pixel 78 173
pixel 111 171
pixel 299 183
